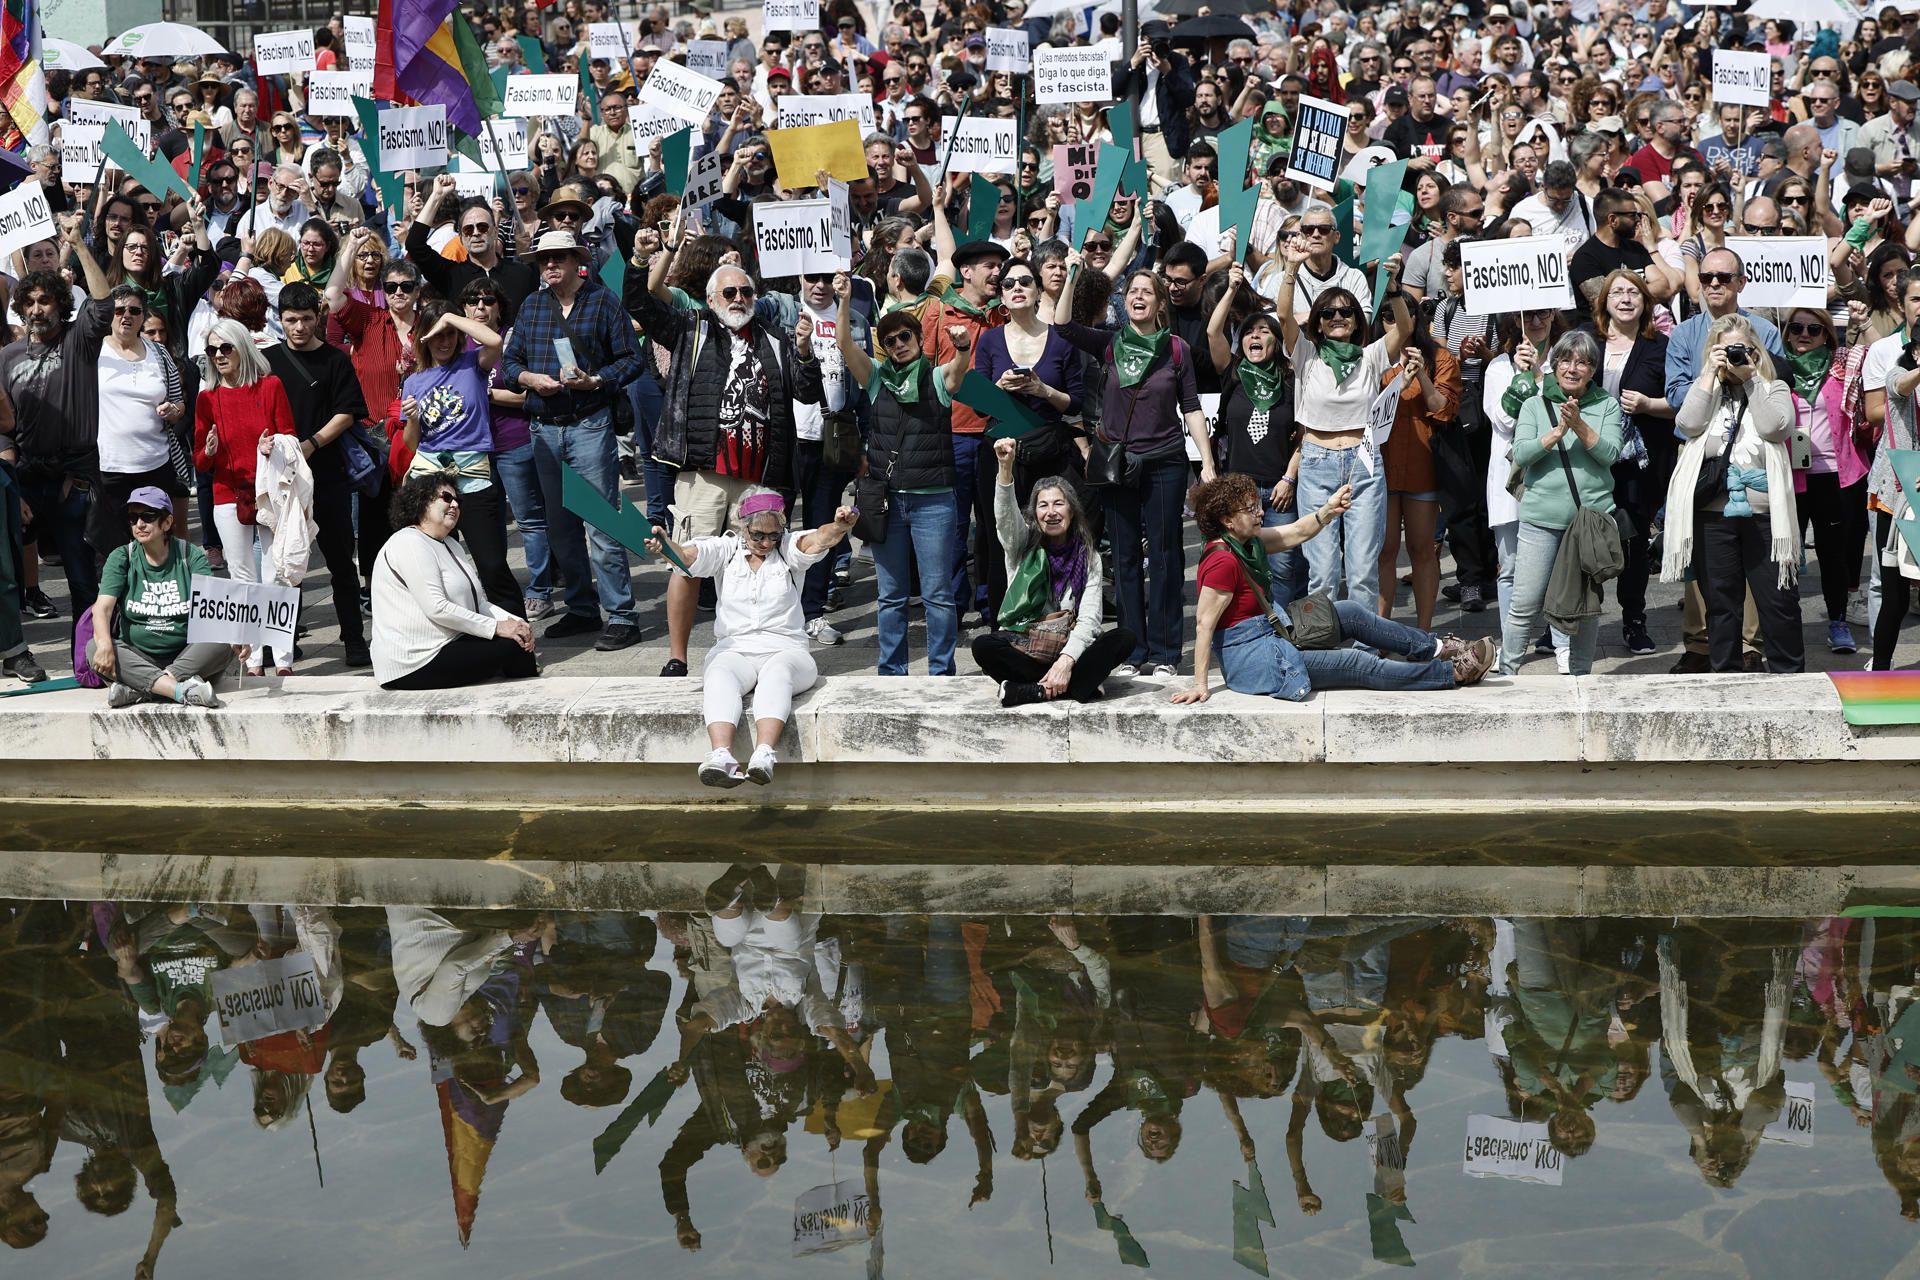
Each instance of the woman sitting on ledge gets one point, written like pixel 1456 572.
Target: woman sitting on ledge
pixel 1049 643
pixel 433 627
pixel 149 582
pixel 1255 642
pixel 759 630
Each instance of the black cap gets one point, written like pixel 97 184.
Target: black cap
pixel 1395 97
pixel 974 250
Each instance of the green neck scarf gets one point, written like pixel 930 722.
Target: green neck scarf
pixel 1253 558
pixel 1261 382
pixel 1550 388
pixel 1135 352
pixel 1341 357
pixel 1810 369
pixel 955 299
pixel 318 279
pixel 902 381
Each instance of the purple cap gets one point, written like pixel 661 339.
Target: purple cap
pixel 153 499
pixel 754 504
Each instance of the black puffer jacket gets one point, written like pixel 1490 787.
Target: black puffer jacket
pixel 912 444
pixel 689 430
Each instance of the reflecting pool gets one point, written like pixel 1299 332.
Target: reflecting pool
pixel 306 1089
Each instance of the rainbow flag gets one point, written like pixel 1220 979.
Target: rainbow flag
pixel 23 85
pixel 1878 697
pixel 426 51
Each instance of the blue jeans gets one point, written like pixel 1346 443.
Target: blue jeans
pixel 588 447
pixel 1255 660
pixel 518 478
pixel 60 521
pixel 1349 550
pixel 1532 567
pixel 966 460
pixel 817 493
pixel 1152 512
pixel 648 399
pixel 1290 566
pixel 920 527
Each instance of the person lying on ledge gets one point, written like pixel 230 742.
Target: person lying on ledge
pixel 1266 650
pixel 759 630
pixel 1049 644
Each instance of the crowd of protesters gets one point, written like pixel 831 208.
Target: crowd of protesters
pixel 439 367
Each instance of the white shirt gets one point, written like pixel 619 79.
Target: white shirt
pixel 132 437
pixel 1320 403
pixel 1183 203
pixel 758 612
pixel 1882 356
pixel 1574 226
pixel 1307 287
pixel 774 964
pixel 807 418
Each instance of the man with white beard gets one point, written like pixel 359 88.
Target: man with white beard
pixel 728 421
pixel 285 209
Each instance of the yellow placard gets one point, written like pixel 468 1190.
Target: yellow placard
pixel 799 154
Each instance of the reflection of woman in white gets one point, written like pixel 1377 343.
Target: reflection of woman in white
pixel 760 635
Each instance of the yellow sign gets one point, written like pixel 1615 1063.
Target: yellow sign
pixel 800 154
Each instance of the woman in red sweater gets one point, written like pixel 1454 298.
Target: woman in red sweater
pixel 233 423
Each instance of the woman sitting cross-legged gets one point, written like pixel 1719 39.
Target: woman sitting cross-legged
pixel 149 583
pixel 1254 642
pixel 1049 643
pixel 759 631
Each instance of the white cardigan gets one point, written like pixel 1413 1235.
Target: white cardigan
pixel 425 592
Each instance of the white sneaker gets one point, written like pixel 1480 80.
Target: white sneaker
pixel 123 695
pixel 1560 661
pixel 1125 671
pixel 1857 608
pixel 760 766
pixel 820 631
pixel 196 692
pixel 1160 671
pixel 720 769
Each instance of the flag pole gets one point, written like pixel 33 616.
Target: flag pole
pixel 314 1134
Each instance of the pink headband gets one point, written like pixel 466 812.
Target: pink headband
pixel 759 502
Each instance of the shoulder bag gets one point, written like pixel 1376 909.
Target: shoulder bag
pixel 873 495
pixel 1109 461
pixel 1622 522
pixel 1315 622
pixel 1712 482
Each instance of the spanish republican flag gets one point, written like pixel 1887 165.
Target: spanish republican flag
pixel 426 52
pixel 23 85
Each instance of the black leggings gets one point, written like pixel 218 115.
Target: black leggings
pixel 1001 661
pixel 1839 520
pixel 483 527
pixel 469 660
pixel 1896 597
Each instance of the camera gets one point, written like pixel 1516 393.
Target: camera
pixel 1161 47
pixel 1739 354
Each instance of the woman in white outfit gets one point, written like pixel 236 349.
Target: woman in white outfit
pixel 760 635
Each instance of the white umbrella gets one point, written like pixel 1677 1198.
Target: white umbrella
pixel 66 55
pixel 163 40
pixel 1837 12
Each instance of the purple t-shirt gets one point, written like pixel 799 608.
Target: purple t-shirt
pixel 454 414
pixel 511 429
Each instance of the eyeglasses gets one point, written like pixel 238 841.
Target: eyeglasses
pixel 1717 277
pixel 139 515
pixel 1800 330
pixel 130 309
pixel 737 292
pixel 401 286
pixel 1339 311
pixel 217 349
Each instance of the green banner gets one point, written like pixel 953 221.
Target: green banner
pixel 157 176
pixel 676 152
pixel 1011 419
pixel 1379 238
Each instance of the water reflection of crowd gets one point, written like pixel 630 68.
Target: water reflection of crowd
pixel 105 1013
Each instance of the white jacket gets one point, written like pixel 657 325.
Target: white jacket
pixel 283 492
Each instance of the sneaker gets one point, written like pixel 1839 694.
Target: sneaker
pixel 574 624
pixel 1635 634
pixel 217 559
pixel 1019 693
pixel 1471 601
pixel 358 656
pixel 1125 671
pixel 39 606
pixel 617 636
pixel 1562 662
pixel 1451 593
pixel 123 695
pixel 1692 664
pixel 1840 638
pixel 1451 647
pixel 760 765
pixel 1753 664
pixel 674 668
pixel 1475 661
pixel 720 769
pixel 820 631
pixel 25 668
pixel 733 888
pixel 1857 607
pixel 196 692
pixel 1160 671
pixel 1545 643
pixel 537 608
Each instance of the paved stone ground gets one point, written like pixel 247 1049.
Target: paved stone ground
pixel 322 654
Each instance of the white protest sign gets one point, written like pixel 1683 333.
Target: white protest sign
pixel 1072 75
pixel 251 613
pixel 265 999
pixel 1783 271
pixel 708 58
pixel 476 182
pixel 25 216
pixel 830 1217
pixel 82 111
pixel 1745 78
pixel 1364 162
pixel 1528 274
pixel 797 110
pixel 790 15
pixel 1317 131
pixel 80 151
pixel 703 182
pixel 1210 410
pixel 539 96
pixel 1007 50
pixel 511 137
pixel 331 93
pixel 1795 1125
pixel 838 255
pixel 281 52
pixel 413 138
pixel 1499 1148
pixel 360 41
pixel 649 122
pixel 980 144
pixel 612 40
pixel 789 235
pixel 687 94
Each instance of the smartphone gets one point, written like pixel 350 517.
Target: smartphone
pixel 1801 448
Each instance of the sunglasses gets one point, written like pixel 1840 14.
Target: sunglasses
pixel 737 292
pixel 139 515
pixel 483 300
pixel 1016 282
pixel 282 128
pixel 1316 231
pixel 217 349
pixel 565 215
pixel 756 535
pixel 521 193
pixel 1717 206
pixel 818 277
pixel 1796 199
pixel 449 497
pixel 1773 230
pixel 1098 246
pixel 130 309
pixel 899 336
pixel 1339 312
pixel 401 286
pixel 1718 277
pixel 1799 330
pixel 476 229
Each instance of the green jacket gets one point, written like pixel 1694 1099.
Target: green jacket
pixel 1548 502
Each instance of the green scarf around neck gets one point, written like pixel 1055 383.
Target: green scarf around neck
pixel 317 277
pixel 1252 557
pixel 1810 370
pixel 902 381
pixel 1551 389
pixel 1341 357
pixel 1261 382
pixel 1135 352
pixel 955 299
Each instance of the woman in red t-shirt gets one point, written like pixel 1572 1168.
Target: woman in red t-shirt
pixel 1258 656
